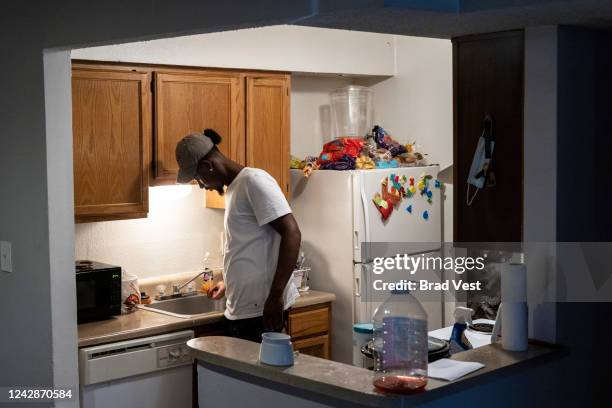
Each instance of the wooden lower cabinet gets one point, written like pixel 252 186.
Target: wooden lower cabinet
pixel 314 346
pixel 302 323
pixel 310 330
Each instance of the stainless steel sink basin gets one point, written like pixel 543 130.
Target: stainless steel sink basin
pixel 187 307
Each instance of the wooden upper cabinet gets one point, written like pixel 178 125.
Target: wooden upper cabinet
pixel 111 114
pixel 188 103
pixel 267 130
pixel 114 115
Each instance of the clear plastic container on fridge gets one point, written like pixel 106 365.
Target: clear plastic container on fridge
pixel 351 111
pixel 400 344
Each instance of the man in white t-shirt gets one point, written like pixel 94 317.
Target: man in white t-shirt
pixel 262 238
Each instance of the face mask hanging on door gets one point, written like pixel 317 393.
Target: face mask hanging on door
pixel 481 168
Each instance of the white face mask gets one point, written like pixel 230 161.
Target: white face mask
pixel 481 161
pixel 480 164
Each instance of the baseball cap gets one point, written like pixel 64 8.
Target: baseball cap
pixel 189 151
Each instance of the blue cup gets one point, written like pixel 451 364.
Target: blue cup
pixel 276 349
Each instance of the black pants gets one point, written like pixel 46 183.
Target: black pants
pixel 249 329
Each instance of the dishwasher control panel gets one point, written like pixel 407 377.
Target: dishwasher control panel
pixel 175 354
pixel 130 358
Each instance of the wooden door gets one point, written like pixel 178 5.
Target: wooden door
pixel 267 135
pixel 488 79
pixel 111 115
pixel 187 103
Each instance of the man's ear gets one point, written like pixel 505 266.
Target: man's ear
pixel 205 166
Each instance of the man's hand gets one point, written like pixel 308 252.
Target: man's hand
pixel 216 292
pixel 273 313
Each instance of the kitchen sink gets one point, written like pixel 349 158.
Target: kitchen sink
pixel 187 307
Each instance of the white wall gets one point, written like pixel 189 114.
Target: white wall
pixel 310 124
pixel 417 104
pixel 173 239
pixel 413 105
pixel 58 104
pixel 278 48
pixel 540 178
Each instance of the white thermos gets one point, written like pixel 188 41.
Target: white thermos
pixel 514 314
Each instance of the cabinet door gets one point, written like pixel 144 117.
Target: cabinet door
pixel 306 322
pixel 188 103
pixel 267 138
pixel 314 346
pixel 111 124
pixel 488 79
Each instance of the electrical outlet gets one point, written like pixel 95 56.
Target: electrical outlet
pixel 6 263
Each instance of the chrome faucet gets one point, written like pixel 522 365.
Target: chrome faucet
pixel 176 289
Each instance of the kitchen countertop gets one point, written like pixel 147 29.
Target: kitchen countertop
pixel 146 323
pixel 350 384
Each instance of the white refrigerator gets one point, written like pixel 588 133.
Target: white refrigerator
pixel 336 215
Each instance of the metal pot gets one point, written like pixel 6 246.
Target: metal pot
pixel 437 349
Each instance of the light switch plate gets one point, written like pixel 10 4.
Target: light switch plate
pixel 6 263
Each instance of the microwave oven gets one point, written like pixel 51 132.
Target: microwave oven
pixel 98 289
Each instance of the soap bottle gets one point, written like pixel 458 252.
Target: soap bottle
pixel 458 341
pixel 400 344
pixel 207 275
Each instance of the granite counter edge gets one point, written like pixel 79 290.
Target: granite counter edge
pixel 539 354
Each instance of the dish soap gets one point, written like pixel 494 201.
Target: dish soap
pixel 458 341
pixel 207 278
pixel 400 344
pixel 207 275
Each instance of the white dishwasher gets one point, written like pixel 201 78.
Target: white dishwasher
pixel 151 372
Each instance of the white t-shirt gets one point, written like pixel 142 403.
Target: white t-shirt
pixel 252 200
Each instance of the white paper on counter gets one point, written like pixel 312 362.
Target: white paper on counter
pixel 477 339
pixel 450 370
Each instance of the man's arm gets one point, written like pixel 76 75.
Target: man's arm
pixel 289 249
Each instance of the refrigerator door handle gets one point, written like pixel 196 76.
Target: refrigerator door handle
pixel 364 203
pixel 355 239
pixel 357 286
